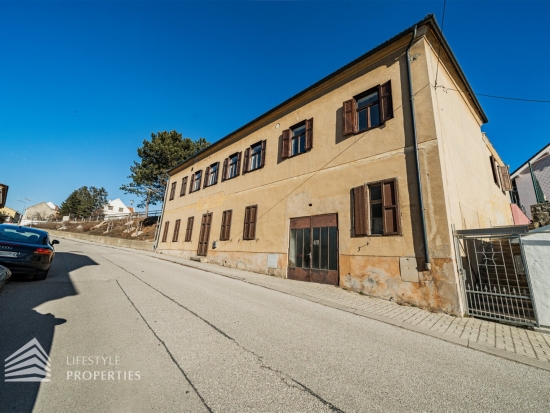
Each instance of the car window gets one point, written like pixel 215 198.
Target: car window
pixel 20 235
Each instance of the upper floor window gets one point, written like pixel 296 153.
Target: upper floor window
pixel 368 109
pixel 254 157
pixel 298 139
pixel 231 166
pixel 121 210
pixel 110 207
pixel 211 175
pixel 196 181
pixel 183 186
pixel 172 190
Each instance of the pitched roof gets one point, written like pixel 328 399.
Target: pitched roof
pixel 523 165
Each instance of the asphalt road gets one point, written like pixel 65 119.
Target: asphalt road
pixel 180 339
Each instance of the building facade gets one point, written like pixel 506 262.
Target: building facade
pixel 43 211
pixel 325 187
pixel 9 215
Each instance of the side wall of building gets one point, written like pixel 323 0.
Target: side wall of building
pixel 474 199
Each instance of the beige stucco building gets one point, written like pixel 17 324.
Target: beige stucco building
pixel 324 187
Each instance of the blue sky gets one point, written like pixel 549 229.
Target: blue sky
pixel 82 84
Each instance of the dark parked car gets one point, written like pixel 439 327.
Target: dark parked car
pixel 26 250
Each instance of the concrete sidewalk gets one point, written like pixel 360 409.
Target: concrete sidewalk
pixel 513 343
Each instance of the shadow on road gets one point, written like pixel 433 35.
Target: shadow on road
pixel 20 323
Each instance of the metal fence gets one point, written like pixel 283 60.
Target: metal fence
pixel 495 279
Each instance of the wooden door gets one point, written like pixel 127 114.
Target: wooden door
pixel 313 249
pixel 204 235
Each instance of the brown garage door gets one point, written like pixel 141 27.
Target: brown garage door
pixel 313 249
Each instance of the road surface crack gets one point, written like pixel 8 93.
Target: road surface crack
pixel 167 350
pixel 289 381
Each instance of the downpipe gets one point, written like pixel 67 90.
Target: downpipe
pixel 428 264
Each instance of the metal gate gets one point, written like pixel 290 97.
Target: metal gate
pixel 495 278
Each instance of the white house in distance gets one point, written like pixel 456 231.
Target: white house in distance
pixel 39 212
pixel 116 208
pixel 532 181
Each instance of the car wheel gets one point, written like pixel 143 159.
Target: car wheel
pixel 41 276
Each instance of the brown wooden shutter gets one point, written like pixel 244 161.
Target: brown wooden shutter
pixel 228 224
pixel 262 157
pixel 505 178
pixel 189 230
pixel 191 183
pixel 198 189
pixel 494 169
pixel 238 172
pixel 246 161
pixel 176 231
pixel 350 115
pixel 224 172
pixel 359 212
pixel 222 229
pixel 390 208
pixel 285 147
pixel 253 217
pixel 386 104
pixel 246 222
pixel 309 134
pixel 183 186
pixel 165 233
pixel 206 176
pixel 172 191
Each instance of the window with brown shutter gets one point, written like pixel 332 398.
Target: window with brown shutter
pixel 211 175
pixel 225 231
pixel 250 219
pixel 375 209
pixel 494 169
pixel 505 178
pixel 298 139
pixel 165 233
pixel 173 191
pixel 176 231
pixel 254 157
pixel 368 110
pixel 183 186
pixel 189 229
pixel 195 181
pixel 232 166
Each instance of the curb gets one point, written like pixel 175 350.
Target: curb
pixel 362 313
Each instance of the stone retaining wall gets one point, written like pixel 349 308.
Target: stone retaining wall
pixel 540 214
pixel 119 242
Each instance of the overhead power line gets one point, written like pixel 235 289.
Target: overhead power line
pixel 445 89
pixel 509 98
